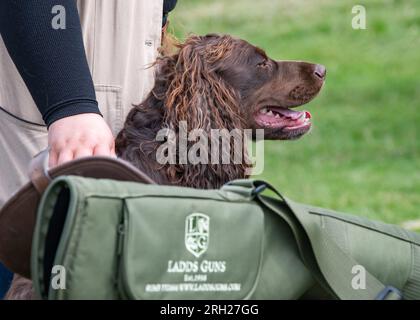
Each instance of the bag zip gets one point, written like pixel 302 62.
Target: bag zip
pixel 124 290
pixel 121 233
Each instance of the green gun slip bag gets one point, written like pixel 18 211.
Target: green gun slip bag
pixel 127 240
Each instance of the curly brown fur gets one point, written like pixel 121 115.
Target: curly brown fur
pixel 186 89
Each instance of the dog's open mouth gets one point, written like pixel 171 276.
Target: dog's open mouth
pixel 273 117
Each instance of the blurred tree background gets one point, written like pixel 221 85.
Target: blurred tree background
pixel 363 154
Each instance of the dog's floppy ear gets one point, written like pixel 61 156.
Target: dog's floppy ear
pixel 196 93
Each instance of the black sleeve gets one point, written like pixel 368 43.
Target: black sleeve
pixel 168 6
pixel 51 61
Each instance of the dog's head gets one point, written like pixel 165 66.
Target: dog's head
pixel 216 82
pixel 229 80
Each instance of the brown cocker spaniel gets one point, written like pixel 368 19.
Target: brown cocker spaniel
pixel 217 82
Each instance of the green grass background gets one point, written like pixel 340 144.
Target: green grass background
pixel 363 154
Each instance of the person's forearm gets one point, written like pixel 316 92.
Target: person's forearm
pixel 51 62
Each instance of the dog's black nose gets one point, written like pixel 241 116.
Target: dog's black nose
pixel 320 71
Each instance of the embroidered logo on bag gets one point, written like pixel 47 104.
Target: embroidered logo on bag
pixel 197 232
pixel 195 275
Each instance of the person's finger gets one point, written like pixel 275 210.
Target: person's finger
pixel 52 158
pixel 65 156
pixel 82 152
pixel 102 150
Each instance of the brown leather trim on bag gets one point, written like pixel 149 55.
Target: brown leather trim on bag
pixel 18 215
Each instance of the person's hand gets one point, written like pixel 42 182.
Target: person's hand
pixel 79 136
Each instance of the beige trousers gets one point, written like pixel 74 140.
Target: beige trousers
pixel 121 39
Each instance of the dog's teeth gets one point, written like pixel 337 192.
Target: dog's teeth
pixel 277 116
pixel 270 113
pixel 264 110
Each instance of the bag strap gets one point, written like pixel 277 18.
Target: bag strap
pixel 334 263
